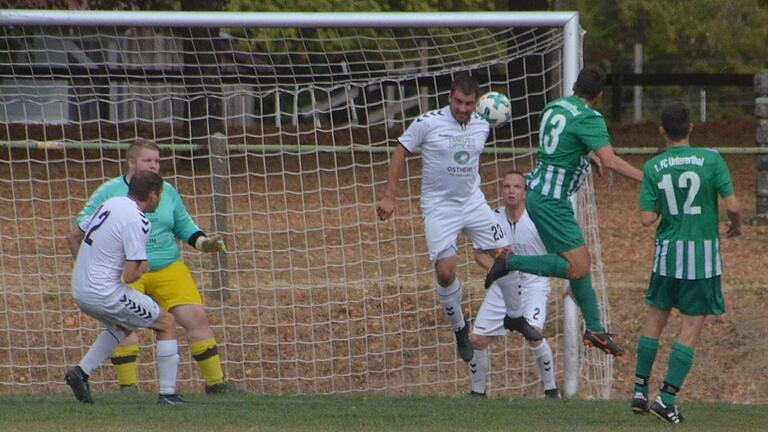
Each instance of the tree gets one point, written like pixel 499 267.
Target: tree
pixel 677 36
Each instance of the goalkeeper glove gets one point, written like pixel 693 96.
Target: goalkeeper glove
pixel 213 243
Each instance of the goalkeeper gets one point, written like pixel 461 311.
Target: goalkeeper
pixel 168 282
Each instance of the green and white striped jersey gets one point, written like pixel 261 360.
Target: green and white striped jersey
pixel 682 185
pixel 569 130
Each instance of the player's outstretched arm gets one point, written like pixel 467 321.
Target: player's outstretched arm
pixel 386 206
pixel 610 160
pixel 733 209
pixel 74 239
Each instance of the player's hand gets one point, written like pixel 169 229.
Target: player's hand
pixel 211 244
pixel 504 252
pixel 733 231
pixel 385 208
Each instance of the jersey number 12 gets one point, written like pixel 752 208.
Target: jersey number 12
pixel 687 180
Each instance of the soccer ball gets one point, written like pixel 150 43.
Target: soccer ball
pixel 494 107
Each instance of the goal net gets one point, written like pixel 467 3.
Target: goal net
pixel 276 131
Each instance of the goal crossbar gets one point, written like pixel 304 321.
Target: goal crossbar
pixel 286 19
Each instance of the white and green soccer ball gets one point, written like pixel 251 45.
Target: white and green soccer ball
pixel 494 107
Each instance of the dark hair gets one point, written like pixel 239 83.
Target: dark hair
pixel 465 84
pixel 589 83
pixel 136 147
pixel 143 183
pixel 676 121
pixel 515 172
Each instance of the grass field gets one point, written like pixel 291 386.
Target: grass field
pixel 356 413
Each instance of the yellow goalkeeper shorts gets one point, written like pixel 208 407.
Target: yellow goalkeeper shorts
pixel 170 286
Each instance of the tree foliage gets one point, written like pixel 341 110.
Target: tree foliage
pixel 683 35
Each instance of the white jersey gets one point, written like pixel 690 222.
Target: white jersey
pixel 451 156
pixel 116 232
pixel 524 239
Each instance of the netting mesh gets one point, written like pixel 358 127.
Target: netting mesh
pixel 277 139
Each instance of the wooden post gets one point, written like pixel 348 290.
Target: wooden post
pixel 638 90
pixel 221 195
pixel 761 136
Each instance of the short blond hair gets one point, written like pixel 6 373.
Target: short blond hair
pixel 515 172
pixel 137 146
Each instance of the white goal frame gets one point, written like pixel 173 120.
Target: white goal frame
pixel 572 60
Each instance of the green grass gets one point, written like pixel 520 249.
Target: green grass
pixel 111 412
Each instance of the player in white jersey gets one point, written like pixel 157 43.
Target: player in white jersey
pixel 533 291
pixel 114 245
pixel 451 140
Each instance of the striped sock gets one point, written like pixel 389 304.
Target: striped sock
pixel 206 354
pixel 124 364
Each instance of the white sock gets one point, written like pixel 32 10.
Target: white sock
pixel 167 365
pixel 511 291
pixel 543 356
pixel 478 370
pixel 450 299
pixel 101 349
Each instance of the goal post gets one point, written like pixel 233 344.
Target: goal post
pixel 275 129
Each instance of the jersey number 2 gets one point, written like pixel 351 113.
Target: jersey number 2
pixel 102 217
pixel 687 180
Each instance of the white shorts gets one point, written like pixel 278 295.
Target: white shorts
pixel 442 225
pixel 126 309
pixel 490 317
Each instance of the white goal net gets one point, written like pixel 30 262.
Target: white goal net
pixel 276 134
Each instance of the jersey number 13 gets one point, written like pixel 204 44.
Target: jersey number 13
pixel 549 132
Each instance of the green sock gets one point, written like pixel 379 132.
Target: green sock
pixel 646 354
pixel 587 301
pixel 680 363
pixel 542 265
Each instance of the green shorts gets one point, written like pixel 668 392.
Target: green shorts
pixel 691 297
pixel 555 221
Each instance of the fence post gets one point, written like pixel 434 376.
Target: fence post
pixel 616 96
pixel 220 210
pixel 761 136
